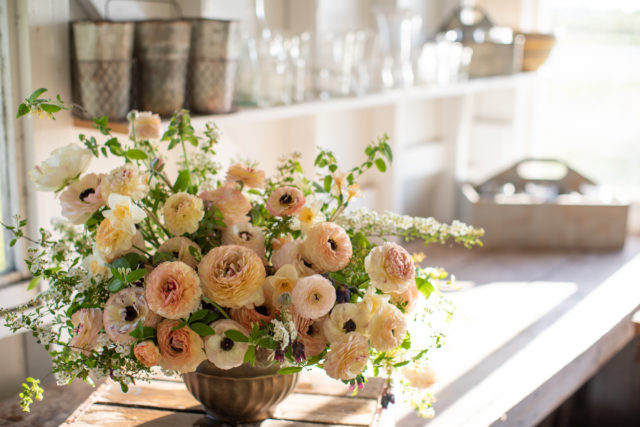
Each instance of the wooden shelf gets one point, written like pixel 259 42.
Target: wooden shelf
pixel 251 115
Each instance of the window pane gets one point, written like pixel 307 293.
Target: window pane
pixel 3 260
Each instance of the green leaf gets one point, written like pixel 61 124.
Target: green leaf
pixel 424 286
pixel 202 329
pixel 198 315
pixel 134 259
pixel 268 342
pixel 161 257
pixel 195 253
pixel 212 316
pixel 333 168
pixel 143 332
pixel 136 154
pixel 250 355
pixel 34 96
pixel 124 387
pixel 33 283
pixel 136 275
pixel 23 110
pixel 290 370
pixel 327 183
pixel 183 181
pixel 115 285
pixel 236 336
pixel 381 165
pixel 50 108
pixel 182 324
pixel 406 343
pixel 400 364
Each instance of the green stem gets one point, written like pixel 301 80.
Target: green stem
pixel 220 309
pixel 143 251
pixel 155 218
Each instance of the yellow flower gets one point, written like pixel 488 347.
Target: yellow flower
pixel 339 181
pixel 124 214
pixel 126 180
pixel 112 242
pixel 354 191
pixel 96 265
pixel 283 281
pixel 249 176
pixel 309 215
pixel 182 213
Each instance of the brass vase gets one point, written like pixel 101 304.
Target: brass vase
pixel 240 395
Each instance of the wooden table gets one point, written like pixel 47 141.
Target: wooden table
pixel 530 328
pixel 316 401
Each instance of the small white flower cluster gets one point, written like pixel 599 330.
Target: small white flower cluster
pixel 47 336
pixel 82 276
pixel 280 333
pixel 60 249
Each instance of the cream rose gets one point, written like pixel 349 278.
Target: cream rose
pixel 387 328
pixel 344 319
pixel 126 180
pixel 180 350
pixel 390 267
pixel 313 296
pixel 245 234
pixel 285 201
pixel 123 213
pixel 173 290
pixel 111 242
pixel 347 358
pixel 223 351
pixel 233 205
pixel 96 266
pixel 232 276
pixel 181 248
pixel 123 311
pixel 82 198
pixel 247 175
pixel 63 166
pixel 408 298
pixel 182 213
pixel 87 323
pixel 147 353
pixel 328 247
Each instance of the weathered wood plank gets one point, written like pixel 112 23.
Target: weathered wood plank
pixel 317 382
pixel 327 409
pixel 156 394
pixel 116 416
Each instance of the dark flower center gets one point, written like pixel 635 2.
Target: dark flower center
pixel 306 263
pixel 176 346
pixel 86 193
pixel 333 244
pixel 349 326
pixel 245 235
pixel 310 330
pixel 263 309
pixel 226 344
pixel 176 254
pixel 286 199
pixel 130 313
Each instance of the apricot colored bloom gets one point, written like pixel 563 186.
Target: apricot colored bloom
pixel 232 276
pixel 261 314
pixel 181 248
pixel 419 376
pixel 182 213
pixel 372 301
pixel 145 125
pixel 87 323
pixel 180 350
pixel 223 351
pixel 82 198
pixel 313 339
pixel 328 247
pixel 309 215
pixel 173 290
pixel 249 176
pixel 63 166
pixel 339 182
pixel 112 242
pixel 345 319
pixel 407 298
pixel 280 242
pixel 96 266
pixel 387 328
pixel 123 213
pixel 123 311
pixel 390 267
pixel 245 234
pixel 290 253
pixel 353 191
pixel 347 359
pixel 126 180
pixel 285 201
pixel 147 353
pixel 313 296
pixel 233 205
pixel 283 281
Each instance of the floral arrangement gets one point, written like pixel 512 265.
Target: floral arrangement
pixel 152 270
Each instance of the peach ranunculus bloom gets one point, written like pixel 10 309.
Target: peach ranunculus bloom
pixel 182 213
pixel 390 267
pixel 173 290
pixel 247 175
pixel 233 205
pixel 82 198
pixel 407 298
pixel 122 312
pixel 387 328
pixel 345 319
pixel 372 301
pixel 285 201
pixel 262 314
pixel 245 234
pixel 180 350
pixel 147 353
pixel 328 247
pixel 223 351
pixel 63 166
pixel 313 296
pixel 145 125
pixel 283 281
pixel 112 242
pixel 419 376
pixel 87 323
pixel 313 339
pixel 347 358
pixel 126 180
pixel 232 276
pixel 181 248
pixel 290 253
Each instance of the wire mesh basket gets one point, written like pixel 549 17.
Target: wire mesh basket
pixel 212 85
pixel 162 85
